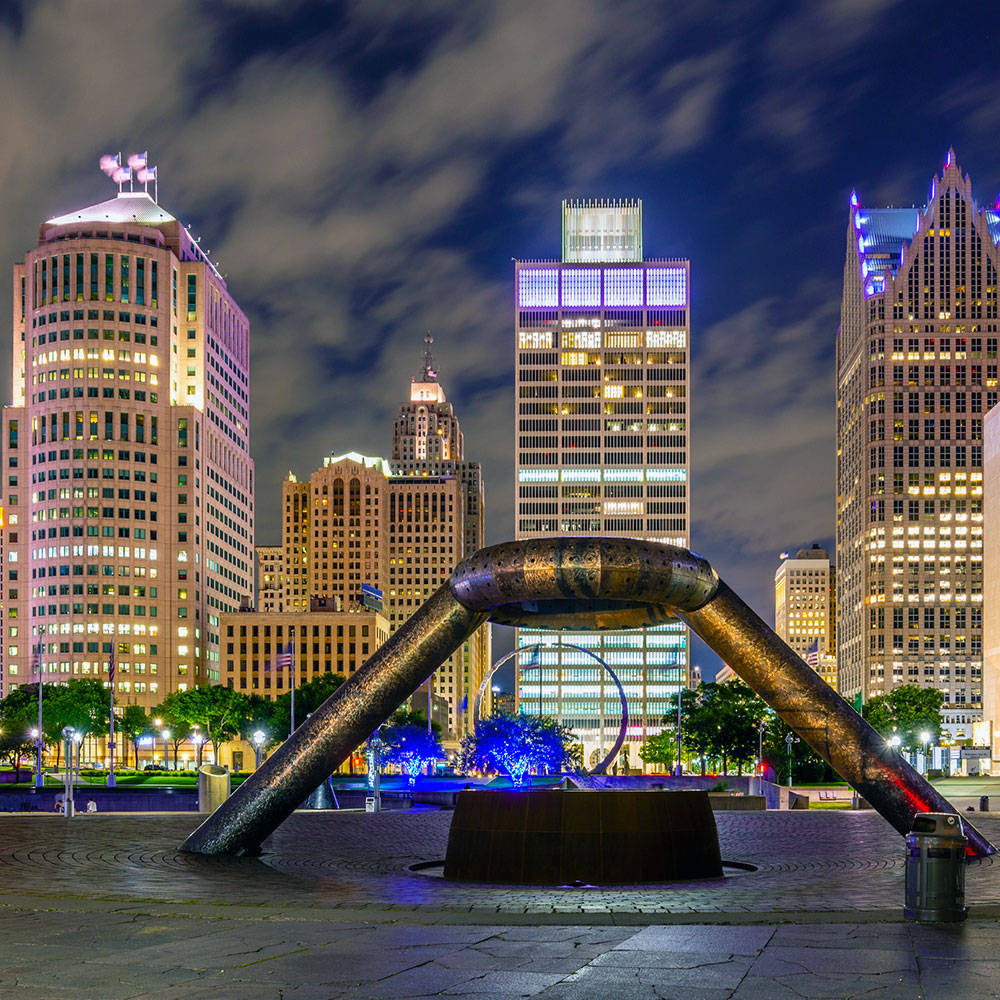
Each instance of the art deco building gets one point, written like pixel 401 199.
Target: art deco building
pixel 428 460
pixel 916 371
pixel 129 479
pixel 601 342
pixel 359 525
pixel 804 609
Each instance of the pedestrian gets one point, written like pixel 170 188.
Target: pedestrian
pixel 59 806
pixel 91 806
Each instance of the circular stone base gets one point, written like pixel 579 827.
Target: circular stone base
pixel 555 837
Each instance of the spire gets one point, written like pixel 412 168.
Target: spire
pixel 429 372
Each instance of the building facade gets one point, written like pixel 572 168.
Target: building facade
pixel 428 462
pixel 602 380
pixel 130 490
pixel 804 609
pixel 988 733
pixel 916 372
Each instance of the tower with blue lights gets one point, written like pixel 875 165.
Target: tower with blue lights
pixel 916 372
pixel 601 348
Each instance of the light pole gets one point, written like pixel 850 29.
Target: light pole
pixel 166 753
pixel 680 691
pixel 761 726
pixel 36 736
pixel 925 738
pixel 258 747
pixel 152 752
pixel 790 740
pixel 199 743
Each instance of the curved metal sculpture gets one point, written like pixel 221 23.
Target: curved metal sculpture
pixel 573 583
pixel 622 729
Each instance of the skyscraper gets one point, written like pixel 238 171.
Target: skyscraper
pixel 359 522
pixel 804 609
pixel 916 371
pixel 429 467
pixel 601 340
pixel 130 483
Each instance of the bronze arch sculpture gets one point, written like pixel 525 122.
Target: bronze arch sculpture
pixel 609 757
pixel 578 583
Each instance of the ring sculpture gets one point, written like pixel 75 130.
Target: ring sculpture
pixel 573 583
pixel 622 729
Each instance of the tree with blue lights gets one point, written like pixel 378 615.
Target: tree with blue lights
pixel 517 744
pixel 411 747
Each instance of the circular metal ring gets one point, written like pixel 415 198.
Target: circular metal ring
pixel 537 647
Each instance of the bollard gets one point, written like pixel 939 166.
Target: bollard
pixel 984 803
pixel 935 868
pixel 213 787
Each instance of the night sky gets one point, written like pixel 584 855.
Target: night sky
pixel 365 172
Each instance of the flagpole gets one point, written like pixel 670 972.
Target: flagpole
pixel 291 681
pixel 39 780
pixel 111 716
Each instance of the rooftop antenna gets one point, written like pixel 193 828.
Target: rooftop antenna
pixel 429 372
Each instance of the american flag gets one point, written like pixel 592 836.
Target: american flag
pixel 36 660
pixel 111 666
pixel 812 655
pixel 286 659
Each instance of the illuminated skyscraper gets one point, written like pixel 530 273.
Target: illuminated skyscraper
pixel 130 484
pixel 916 371
pixel 602 448
pixel 804 609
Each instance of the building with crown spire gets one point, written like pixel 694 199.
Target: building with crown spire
pixel 916 372
pixel 364 537
pixel 130 486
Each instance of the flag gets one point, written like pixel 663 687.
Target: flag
pixel 137 161
pixel 145 174
pixel 36 661
pixel 111 666
pixel 109 164
pixel 286 659
pixel 812 655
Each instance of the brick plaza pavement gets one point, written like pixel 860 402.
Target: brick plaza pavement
pixel 105 906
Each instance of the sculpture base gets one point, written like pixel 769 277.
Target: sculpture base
pixel 549 837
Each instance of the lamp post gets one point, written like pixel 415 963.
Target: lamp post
pixel 152 753
pixel 790 741
pixel 37 737
pixel 680 691
pixel 925 738
pixel 199 744
pixel 258 747
pixel 166 752
pixel 761 726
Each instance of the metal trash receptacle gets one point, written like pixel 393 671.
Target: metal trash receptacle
pixel 213 787
pixel 935 868
pixel 984 803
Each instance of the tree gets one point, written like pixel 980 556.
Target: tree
pixel 219 711
pixel 132 724
pixel 907 711
pixel 308 697
pixel 407 716
pixel 16 720
pixel 514 744
pixel 661 749
pixel 409 746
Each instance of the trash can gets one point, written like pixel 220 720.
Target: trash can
pixel 213 787
pixel 984 803
pixel 935 868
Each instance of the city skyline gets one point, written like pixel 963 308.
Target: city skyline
pixel 357 198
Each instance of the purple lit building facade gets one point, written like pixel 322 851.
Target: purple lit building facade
pixel 601 342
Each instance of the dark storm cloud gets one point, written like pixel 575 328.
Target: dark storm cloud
pixel 364 173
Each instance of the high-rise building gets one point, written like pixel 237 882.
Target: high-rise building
pixel 916 371
pixel 360 525
pixel 988 732
pixel 602 448
pixel 429 466
pixel 803 609
pixel 129 480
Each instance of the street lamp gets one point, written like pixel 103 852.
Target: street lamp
pixel 790 740
pixel 36 736
pixel 680 770
pixel 761 726
pixel 166 757
pixel 199 743
pixel 894 741
pixel 258 746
